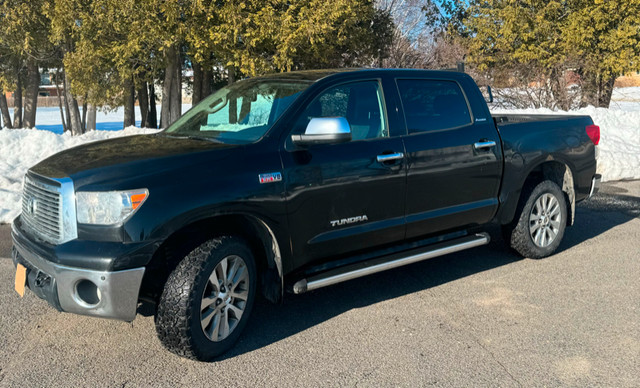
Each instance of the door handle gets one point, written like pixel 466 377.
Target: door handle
pixel 483 145
pixel 390 157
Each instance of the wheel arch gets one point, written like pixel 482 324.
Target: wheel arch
pixel 258 234
pixel 550 169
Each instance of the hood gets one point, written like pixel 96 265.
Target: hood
pixel 127 158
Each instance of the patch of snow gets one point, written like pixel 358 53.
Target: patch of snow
pixel 627 99
pixel 22 148
pixel 48 118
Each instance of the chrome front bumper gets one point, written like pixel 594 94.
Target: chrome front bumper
pixel 80 291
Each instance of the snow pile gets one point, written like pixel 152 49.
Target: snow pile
pixel 627 99
pixel 619 139
pixel 22 148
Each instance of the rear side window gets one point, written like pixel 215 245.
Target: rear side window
pixel 431 105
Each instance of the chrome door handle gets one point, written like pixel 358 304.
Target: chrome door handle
pixel 390 157
pixel 483 145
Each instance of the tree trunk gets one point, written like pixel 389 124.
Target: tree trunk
pixel 84 114
pixel 143 101
pixel 197 84
pixel 207 80
pixel 202 78
pixel 67 111
pixel 4 110
pixel 596 90
pixel 605 92
pixel 153 113
pixel 66 101
pixel 171 88
pixel 17 104
pixel 177 85
pixel 32 85
pixel 129 104
pixel 91 118
pixel 558 86
pixel 64 122
pixel 74 111
pixel 233 103
pixel 231 75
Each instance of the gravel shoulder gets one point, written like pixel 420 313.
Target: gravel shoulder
pixel 482 317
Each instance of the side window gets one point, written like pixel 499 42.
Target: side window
pixel 359 102
pixel 431 105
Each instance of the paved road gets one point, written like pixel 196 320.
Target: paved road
pixel 477 318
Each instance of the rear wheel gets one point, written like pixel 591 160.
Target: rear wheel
pixel 541 221
pixel 207 299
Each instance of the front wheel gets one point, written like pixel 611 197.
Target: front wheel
pixel 541 221
pixel 207 299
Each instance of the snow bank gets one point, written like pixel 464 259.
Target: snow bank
pixel 627 99
pixel 619 139
pixel 22 148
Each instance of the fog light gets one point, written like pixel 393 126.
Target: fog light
pixel 88 292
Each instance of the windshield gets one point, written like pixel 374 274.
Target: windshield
pixel 240 113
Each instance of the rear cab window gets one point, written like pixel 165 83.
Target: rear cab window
pixel 433 105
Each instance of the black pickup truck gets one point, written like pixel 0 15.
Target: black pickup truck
pixel 292 182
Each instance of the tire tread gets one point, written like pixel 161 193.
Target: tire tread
pixel 175 308
pixel 516 234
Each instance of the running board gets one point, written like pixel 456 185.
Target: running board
pixel 393 261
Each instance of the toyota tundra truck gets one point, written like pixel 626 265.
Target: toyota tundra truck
pixel 288 183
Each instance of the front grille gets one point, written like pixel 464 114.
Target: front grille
pixel 42 208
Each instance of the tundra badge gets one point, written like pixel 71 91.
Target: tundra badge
pixel 350 220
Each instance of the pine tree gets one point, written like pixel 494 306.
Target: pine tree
pixel 24 46
pixel 598 40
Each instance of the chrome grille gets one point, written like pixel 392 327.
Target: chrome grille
pixel 41 208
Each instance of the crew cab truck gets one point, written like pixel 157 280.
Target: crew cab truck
pixel 292 182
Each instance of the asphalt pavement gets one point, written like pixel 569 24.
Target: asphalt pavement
pixel 482 317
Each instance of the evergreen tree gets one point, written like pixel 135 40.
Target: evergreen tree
pixel 24 46
pixel 598 40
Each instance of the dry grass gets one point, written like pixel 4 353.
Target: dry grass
pixel 628 81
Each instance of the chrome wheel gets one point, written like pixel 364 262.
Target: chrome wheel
pixel 224 298
pixel 545 220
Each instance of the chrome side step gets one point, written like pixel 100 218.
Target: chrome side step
pixel 382 264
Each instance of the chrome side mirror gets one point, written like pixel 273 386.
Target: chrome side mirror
pixel 324 130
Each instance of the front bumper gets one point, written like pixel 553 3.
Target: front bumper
pixel 69 289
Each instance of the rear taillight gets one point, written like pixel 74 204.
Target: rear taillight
pixel 593 131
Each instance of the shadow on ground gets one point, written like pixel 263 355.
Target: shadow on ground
pixel 271 323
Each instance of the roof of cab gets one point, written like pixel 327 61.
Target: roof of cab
pixel 316 75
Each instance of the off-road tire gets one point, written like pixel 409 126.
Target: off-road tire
pixel 517 233
pixel 178 317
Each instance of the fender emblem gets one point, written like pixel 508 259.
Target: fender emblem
pixel 270 177
pixel 350 220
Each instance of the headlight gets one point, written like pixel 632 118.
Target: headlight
pixel 108 207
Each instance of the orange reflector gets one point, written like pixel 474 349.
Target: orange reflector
pixel 137 199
